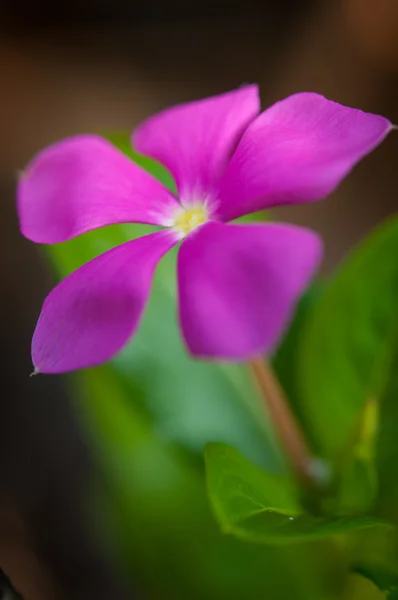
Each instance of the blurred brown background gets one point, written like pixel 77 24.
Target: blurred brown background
pixel 98 66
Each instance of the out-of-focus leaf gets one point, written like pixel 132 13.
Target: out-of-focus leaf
pixel 356 474
pixel 357 486
pixel 385 581
pixel 258 506
pixel 374 553
pixel 285 359
pixel 360 587
pixel 151 509
pixel 350 340
pixel 387 448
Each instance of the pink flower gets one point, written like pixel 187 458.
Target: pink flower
pixel 237 284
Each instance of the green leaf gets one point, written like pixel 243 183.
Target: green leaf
pixel 386 582
pixel 355 471
pixel 357 487
pixel 350 340
pixel 151 509
pixel 374 554
pixel 361 587
pixel 387 448
pixel 285 359
pixel 262 507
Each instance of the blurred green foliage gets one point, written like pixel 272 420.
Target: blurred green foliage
pixel 350 340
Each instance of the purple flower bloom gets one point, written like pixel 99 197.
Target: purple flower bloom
pixel 237 284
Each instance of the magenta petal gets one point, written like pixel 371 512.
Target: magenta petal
pixel 195 140
pixel 296 151
pixel 83 183
pixel 239 284
pixel 92 313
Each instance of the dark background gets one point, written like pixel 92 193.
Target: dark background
pixel 102 66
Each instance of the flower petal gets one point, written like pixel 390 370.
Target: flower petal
pixel 83 183
pixel 195 140
pixel 238 286
pixel 296 151
pixel 92 313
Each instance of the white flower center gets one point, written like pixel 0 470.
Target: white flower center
pixel 188 219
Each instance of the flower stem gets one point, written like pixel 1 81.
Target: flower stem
pixel 283 420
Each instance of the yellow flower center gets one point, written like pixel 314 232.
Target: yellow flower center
pixel 189 219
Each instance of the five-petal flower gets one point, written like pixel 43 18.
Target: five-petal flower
pixel 238 284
